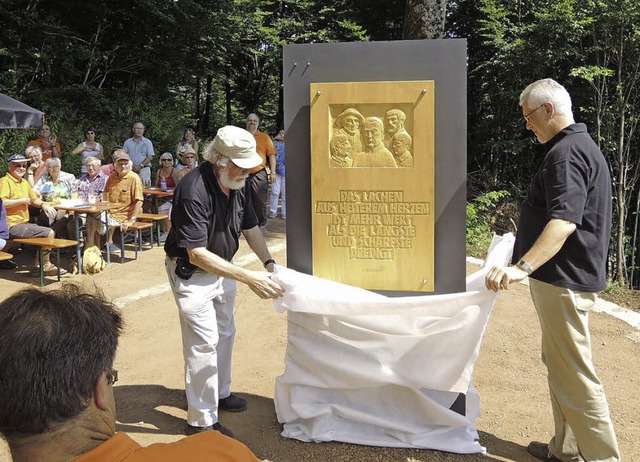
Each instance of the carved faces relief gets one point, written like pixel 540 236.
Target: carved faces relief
pixel 373 134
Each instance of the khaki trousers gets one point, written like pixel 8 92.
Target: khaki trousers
pixel 583 427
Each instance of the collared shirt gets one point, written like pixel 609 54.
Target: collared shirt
pixel 571 183
pixel 93 186
pixel 279 145
pixel 125 192
pixel 64 187
pixel 206 446
pixel 16 188
pixel 204 216
pixel 264 148
pixel 138 150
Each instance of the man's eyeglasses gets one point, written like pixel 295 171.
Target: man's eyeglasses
pixel 112 376
pixel 188 157
pixel 526 117
pixel 20 165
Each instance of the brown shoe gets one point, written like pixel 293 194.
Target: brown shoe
pixel 541 451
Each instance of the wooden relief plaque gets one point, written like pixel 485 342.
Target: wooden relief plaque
pixel 372 184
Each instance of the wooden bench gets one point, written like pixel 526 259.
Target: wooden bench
pixel 43 244
pixel 155 218
pixel 136 227
pixel 5 256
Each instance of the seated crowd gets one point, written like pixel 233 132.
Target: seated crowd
pixel 35 183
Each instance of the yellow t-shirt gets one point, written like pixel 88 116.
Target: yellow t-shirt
pixel 16 188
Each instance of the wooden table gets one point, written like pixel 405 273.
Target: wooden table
pixel 157 193
pixel 46 243
pixel 89 210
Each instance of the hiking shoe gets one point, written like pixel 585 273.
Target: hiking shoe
pixel 193 430
pixel 272 215
pixel 163 236
pixel 541 451
pixel 8 264
pixel 232 403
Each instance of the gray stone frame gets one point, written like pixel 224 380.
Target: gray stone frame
pixel 443 61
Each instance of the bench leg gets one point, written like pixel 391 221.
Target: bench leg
pixel 41 261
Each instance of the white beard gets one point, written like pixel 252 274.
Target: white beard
pixel 231 183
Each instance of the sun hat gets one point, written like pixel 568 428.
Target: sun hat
pixel 17 158
pixel 238 145
pixel 188 149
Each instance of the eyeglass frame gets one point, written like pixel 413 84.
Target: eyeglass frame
pixel 526 117
pixel 111 375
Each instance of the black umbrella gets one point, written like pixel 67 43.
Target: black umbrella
pixel 14 114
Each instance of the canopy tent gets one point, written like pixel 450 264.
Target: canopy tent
pixel 14 114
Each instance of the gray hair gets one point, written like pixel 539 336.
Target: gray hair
pixel 92 159
pixel 547 91
pixel 30 149
pixel 51 161
pixel 210 153
pixel 404 137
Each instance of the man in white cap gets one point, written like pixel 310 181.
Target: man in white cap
pixel 211 208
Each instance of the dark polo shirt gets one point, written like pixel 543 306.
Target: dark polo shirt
pixel 204 216
pixel 571 183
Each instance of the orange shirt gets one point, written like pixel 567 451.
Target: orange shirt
pixel 16 188
pixel 47 153
pixel 264 147
pixel 207 446
pixel 125 192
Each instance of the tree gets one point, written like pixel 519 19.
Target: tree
pixel 424 19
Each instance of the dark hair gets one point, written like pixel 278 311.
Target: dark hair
pixel 54 345
pixel 90 129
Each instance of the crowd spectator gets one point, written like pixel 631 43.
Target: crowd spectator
pixel 190 159
pixel 89 148
pixel 48 142
pixel 57 351
pixel 109 169
pixel 258 179
pixel 54 185
pixel 188 140
pixel 278 191
pixel 140 150
pixel 17 194
pixel 167 177
pixel 36 165
pixel 92 185
pixel 123 188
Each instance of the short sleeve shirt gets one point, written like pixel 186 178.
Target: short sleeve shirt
pixel 572 183
pixel 204 216
pixel 138 150
pixel 265 148
pixel 16 188
pixel 125 192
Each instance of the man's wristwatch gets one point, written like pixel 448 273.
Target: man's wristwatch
pixel 269 261
pixel 524 266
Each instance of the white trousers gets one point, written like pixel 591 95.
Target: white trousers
pixel 278 188
pixel 205 303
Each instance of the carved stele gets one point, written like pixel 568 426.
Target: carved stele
pixel 372 170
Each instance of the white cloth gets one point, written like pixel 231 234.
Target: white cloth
pixel 205 303
pixel 367 369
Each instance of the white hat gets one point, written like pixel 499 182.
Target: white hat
pixel 238 145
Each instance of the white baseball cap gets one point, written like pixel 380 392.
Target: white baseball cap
pixel 238 145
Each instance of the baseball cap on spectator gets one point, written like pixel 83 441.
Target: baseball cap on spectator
pixel 16 158
pixel 121 155
pixel 238 145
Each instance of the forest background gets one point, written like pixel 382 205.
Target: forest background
pixel 174 64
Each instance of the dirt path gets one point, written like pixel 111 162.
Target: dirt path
pixel 509 376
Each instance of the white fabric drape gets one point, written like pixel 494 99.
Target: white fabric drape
pixel 368 369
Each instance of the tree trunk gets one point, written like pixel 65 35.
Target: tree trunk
pixel 424 19
pixel 207 104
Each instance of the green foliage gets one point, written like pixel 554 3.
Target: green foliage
pixel 479 210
